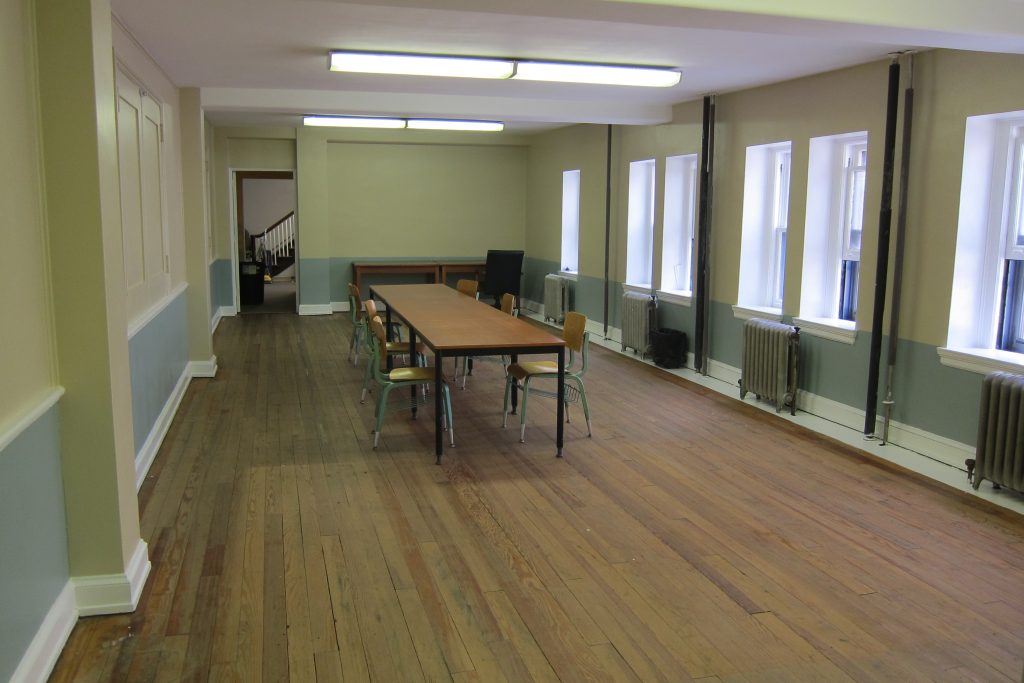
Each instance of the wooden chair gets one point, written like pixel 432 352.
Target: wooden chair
pixel 508 305
pixel 576 339
pixel 469 288
pixel 358 317
pixel 398 378
pixel 393 349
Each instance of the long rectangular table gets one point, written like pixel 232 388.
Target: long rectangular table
pixel 454 325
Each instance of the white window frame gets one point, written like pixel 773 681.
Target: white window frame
pixel 766 193
pixel 679 218
pixel 829 215
pixel 640 225
pixel 570 255
pixel 992 185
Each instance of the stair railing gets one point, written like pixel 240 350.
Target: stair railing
pixel 276 241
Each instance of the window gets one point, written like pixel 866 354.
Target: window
pixel 986 330
pixel 1011 328
pixel 570 221
pixel 836 181
pixel 640 224
pixel 680 213
pixel 765 226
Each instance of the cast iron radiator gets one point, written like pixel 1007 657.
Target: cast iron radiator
pixel 556 298
pixel 999 456
pixel 770 352
pixel 639 312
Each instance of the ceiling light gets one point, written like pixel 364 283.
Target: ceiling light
pixel 421 65
pixel 450 124
pixel 651 77
pixel 353 122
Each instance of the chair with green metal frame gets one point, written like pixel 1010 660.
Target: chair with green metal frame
pixel 358 316
pixel 576 339
pixel 398 378
pixel 394 348
pixel 508 305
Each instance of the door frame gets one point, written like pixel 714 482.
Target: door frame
pixel 235 208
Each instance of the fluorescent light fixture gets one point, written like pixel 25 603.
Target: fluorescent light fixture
pixel 353 122
pixel 485 67
pixel 421 65
pixel 455 124
pixel 599 74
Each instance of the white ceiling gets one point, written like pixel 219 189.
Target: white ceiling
pixel 265 61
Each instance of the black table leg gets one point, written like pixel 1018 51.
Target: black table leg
pixel 561 399
pixel 514 358
pixel 438 407
pixel 412 363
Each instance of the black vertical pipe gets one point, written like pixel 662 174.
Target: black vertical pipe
pixel 901 238
pixel 882 267
pixel 707 151
pixel 607 222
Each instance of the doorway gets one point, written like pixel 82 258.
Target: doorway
pixel 266 236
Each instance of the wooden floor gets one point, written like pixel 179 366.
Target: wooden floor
pixel 692 538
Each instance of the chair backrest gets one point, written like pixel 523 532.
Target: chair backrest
pixel 508 303
pixel 504 272
pixel 573 330
pixel 355 302
pixel 468 287
pixel 378 358
pixel 377 327
pixel 371 309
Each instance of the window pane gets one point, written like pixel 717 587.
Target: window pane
pixel 570 221
pixel 640 223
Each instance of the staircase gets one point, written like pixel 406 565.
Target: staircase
pixel 275 246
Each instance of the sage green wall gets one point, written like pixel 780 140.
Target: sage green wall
pixel 26 364
pixel 950 86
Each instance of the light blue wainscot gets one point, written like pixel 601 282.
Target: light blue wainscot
pixel 33 535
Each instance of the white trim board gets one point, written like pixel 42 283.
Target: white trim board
pixel 934 456
pixel 340 306
pixel 315 309
pixel 202 368
pixel 29 417
pixel 114 593
pixel 218 314
pixel 42 654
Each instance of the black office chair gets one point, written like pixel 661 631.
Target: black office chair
pixel 504 274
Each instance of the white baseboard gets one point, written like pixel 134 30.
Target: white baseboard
pixel 340 306
pixel 203 368
pixel 39 659
pixel 114 593
pixel 222 312
pixel 144 458
pixel 315 309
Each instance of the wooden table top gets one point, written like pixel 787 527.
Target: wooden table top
pixel 449 321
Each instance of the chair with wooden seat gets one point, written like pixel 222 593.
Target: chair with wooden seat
pixel 358 317
pixel 388 380
pixel 393 348
pixel 523 374
pixel 469 288
pixel 508 305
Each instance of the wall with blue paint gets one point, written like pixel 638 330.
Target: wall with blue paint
pixel 157 355
pixel 221 285
pixel 33 536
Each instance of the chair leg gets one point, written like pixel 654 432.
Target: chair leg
pixel 448 409
pixel 381 401
pixel 465 372
pixel 586 407
pixel 366 380
pixel 508 395
pixel 522 410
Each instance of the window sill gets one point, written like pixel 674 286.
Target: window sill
pixel 639 289
pixel 748 312
pixel 675 297
pixel 834 329
pixel 981 361
pixel 569 275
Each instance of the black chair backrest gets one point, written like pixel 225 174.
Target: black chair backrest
pixel 504 272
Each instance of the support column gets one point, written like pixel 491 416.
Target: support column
pixel 107 557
